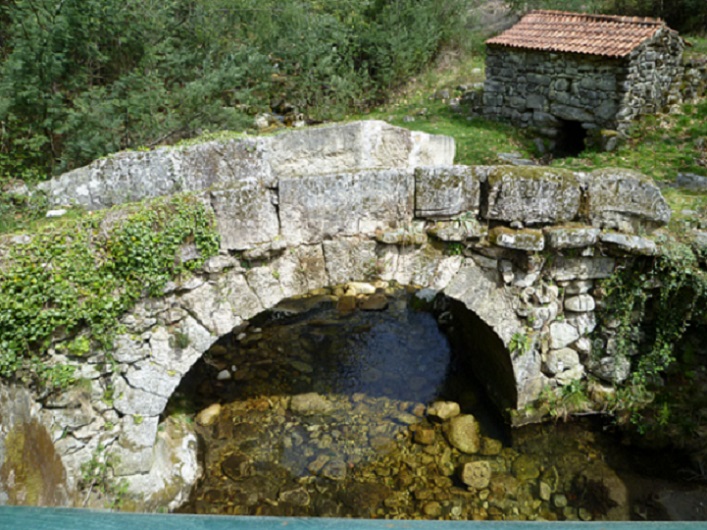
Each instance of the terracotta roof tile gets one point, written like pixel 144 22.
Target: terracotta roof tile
pixel 561 31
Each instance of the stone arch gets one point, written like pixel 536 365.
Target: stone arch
pixel 184 324
pixel 326 206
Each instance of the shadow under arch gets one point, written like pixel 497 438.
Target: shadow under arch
pixel 482 351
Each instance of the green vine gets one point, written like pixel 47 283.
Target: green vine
pixel 671 292
pixel 84 273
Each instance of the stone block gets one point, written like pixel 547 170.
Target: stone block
pixel 560 360
pixel 245 215
pixel 612 369
pixel 570 112
pixel 137 175
pixel 580 303
pixel 350 259
pixel 458 230
pixel 354 147
pixel 621 198
pixel 631 244
pixel 532 195
pixel 443 192
pixel 320 207
pixel 559 237
pixel 562 334
pixel 526 239
pixel 566 269
pixel 133 401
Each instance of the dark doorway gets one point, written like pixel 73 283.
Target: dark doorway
pixel 570 139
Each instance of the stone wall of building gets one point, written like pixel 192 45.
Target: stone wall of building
pixel 652 69
pixel 540 89
pixel 537 89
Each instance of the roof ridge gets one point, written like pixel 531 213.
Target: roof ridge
pixel 564 31
pixel 599 17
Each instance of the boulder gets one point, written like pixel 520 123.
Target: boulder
pixel 532 195
pixel 476 475
pixel 624 199
pixel 447 191
pixel 464 434
pixel 310 403
pixel 443 410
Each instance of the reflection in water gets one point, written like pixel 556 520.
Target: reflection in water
pixel 321 411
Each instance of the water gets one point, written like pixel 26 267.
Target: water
pixel 324 414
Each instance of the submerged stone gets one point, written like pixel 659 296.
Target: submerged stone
pixel 476 475
pixel 463 433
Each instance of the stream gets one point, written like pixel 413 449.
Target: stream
pixel 334 405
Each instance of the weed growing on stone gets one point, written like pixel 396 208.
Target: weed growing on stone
pixel 83 273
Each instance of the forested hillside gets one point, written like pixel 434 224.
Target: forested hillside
pixel 82 78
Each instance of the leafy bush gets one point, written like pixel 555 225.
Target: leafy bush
pixel 84 273
pixel 683 15
pixel 82 78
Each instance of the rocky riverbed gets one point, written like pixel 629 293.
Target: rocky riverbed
pixel 350 403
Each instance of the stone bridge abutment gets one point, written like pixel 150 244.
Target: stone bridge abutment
pixel 516 249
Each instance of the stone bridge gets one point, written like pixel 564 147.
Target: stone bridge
pixel 516 250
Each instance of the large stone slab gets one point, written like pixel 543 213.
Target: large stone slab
pixel 136 175
pixel 532 195
pixel 446 191
pixel 622 198
pixel 321 207
pixel 245 214
pixel 356 146
pixel 566 269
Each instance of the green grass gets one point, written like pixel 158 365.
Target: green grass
pixel 660 146
pixel 419 107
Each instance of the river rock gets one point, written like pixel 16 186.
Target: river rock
pixel 209 415
pixel 476 475
pixel 616 496
pixel 310 403
pixel 525 468
pixel 490 446
pixel 375 302
pixel 356 288
pixel 580 303
pixel 432 509
pixel 463 433
pixel 335 470
pixel 562 334
pixel 424 436
pixel 560 360
pixel 296 497
pixel 614 369
pixel 443 410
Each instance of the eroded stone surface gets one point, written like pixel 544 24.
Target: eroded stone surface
pixel 443 192
pixel 624 199
pixel 532 195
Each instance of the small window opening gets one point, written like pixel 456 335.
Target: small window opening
pixel 570 139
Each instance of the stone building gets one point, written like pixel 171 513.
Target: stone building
pixel 572 76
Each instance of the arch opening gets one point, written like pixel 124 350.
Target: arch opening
pixel 328 390
pixel 571 137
